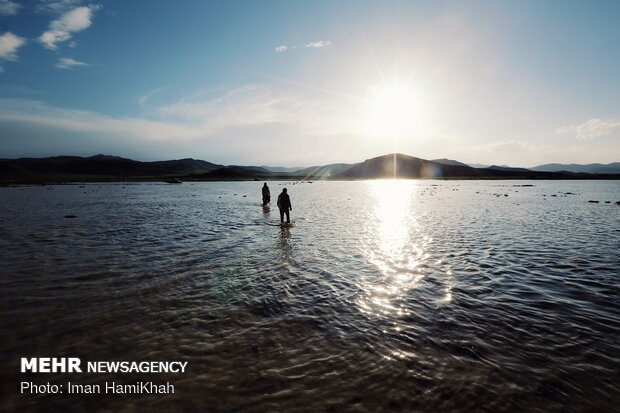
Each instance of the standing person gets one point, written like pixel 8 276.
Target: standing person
pixel 284 203
pixel 266 194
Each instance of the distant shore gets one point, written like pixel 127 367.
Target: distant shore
pixel 105 168
pixel 77 181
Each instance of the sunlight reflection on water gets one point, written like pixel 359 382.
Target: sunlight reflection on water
pixel 395 245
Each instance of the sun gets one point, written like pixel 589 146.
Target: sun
pixel 393 110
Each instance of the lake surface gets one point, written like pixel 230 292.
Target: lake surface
pixel 412 295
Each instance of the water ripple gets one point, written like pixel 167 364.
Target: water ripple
pixel 385 296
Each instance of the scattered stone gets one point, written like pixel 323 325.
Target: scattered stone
pixel 70 216
pixel 593 202
pixel 608 202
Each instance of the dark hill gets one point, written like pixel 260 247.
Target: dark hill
pixel 398 165
pixel 232 172
pixel 508 169
pixel 452 162
pixel 74 168
pixel 186 165
pixel 252 169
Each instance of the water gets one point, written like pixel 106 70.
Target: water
pixel 385 295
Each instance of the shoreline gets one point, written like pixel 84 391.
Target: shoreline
pixel 78 181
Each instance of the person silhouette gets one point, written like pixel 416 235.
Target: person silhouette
pixel 266 194
pixel 284 203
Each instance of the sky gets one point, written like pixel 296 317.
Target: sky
pixel 300 83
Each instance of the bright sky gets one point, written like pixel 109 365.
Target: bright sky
pixel 299 83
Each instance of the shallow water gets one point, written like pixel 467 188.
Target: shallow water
pixel 385 295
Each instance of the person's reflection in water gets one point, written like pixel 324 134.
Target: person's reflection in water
pixel 284 244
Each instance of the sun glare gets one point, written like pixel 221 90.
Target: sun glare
pixel 394 110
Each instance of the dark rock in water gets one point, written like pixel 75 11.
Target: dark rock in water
pixel 617 202
pixel 70 216
pixel 608 202
pixel 593 202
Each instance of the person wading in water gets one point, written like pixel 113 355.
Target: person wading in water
pixel 266 194
pixel 284 203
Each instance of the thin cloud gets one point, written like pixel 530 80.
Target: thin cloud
pixel 9 43
pixel 61 30
pixel 69 63
pixel 250 106
pixel 254 118
pixel 143 100
pixel 243 109
pixel 38 113
pixel 591 129
pixel 319 44
pixel 56 6
pixel 9 8
pixel 281 48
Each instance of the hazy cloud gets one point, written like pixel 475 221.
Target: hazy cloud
pixel 60 30
pixel 39 113
pixel 56 6
pixel 200 116
pixel 510 147
pixel 9 43
pixel 304 112
pixel 8 7
pixel 68 63
pixel 591 129
pixel 245 122
pixel 281 48
pixel 319 44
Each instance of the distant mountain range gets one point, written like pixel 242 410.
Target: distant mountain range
pixel 592 168
pixel 62 168
pixel 114 168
